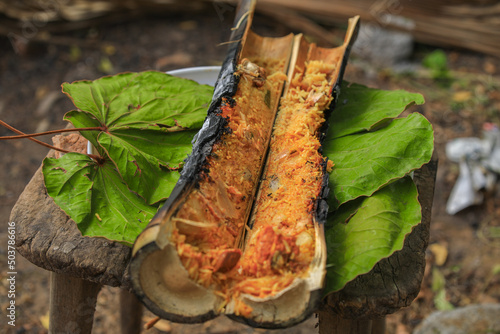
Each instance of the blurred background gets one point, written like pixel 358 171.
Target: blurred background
pixel 447 50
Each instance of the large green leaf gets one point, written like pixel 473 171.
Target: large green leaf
pixel 367 161
pixel 149 118
pixel 96 198
pixel 148 121
pixel 142 100
pixel 363 109
pixel 141 171
pixel 366 230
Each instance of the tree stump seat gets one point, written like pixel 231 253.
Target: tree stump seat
pixel 80 266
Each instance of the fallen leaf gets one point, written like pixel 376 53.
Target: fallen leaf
pixel 441 303
pixel 440 253
pixel 188 25
pixel 47 102
pixel 176 59
pixel 75 54
pixel 109 49
pixel 438 280
pixel 462 96
pixel 43 125
pixel 105 65
pixel 44 320
pixel 163 325
pixel 489 67
pixel 484 298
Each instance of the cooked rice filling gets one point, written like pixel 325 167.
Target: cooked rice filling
pixel 281 243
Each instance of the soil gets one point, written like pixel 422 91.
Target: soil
pixel 463 265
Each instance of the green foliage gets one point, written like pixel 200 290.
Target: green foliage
pixel 150 119
pixel 96 197
pixel 364 162
pixel 437 63
pixel 373 203
pixel 368 229
pixel 361 108
pixel 438 287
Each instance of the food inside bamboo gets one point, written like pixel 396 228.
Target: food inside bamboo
pixel 242 233
pixel 281 242
pixel 209 224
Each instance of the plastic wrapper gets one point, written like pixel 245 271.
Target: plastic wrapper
pixel 479 164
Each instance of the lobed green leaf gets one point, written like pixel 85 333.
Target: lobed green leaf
pixel 150 119
pixel 152 100
pixel 142 172
pixel 96 197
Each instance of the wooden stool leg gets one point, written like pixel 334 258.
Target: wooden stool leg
pixel 331 323
pixel 378 326
pixel 130 313
pixel 72 304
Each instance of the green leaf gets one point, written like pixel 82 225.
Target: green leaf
pixel 438 280
pixel 142 100
pixel 363 109
pixel 366 162
pixel 150 119
pixel 141 171
pixel 441 302
pixel 437 63
pixel 83 119
pixel 436 60
pixel 168 148
pixel 495 270
pixel 96 198
pixel 376 227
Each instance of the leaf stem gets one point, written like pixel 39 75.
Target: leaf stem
pixel 97 158
pixel 30 135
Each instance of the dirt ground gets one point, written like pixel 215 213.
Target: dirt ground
pixel 463 264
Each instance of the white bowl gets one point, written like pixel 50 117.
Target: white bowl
pixel 205 75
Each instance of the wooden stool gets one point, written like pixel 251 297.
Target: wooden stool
pixel 361 306
pixel 80 266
